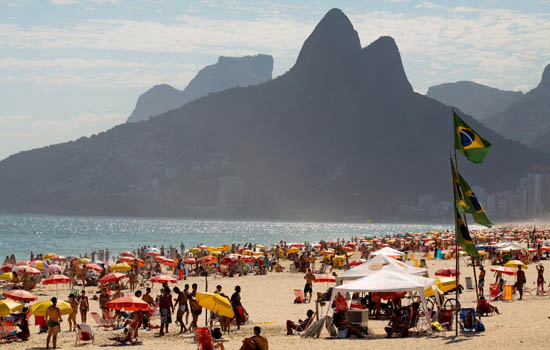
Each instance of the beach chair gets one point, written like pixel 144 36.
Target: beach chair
pixel 446 319
pixel 100 322
pixel 299 296
pixel 7 330
pixel 307 325
pixel 84 333
pixel 468 320
pixel 203 339
pixel 508 292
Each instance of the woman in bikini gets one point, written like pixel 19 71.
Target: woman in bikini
pixel 83 306
pixel 72 315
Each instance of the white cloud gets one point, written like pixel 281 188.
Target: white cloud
pixel 428 5
pixel 463 9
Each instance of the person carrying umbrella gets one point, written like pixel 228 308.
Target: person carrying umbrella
pixel 53 320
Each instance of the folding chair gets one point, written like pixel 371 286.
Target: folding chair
pixel 7 330
pixel 100 322
pixel 311 320
pixel 84 333
pixel 446 319
pixel 203 339
pixel 299 296
pixel 468 320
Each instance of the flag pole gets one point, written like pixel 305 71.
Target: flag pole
pixel 457 267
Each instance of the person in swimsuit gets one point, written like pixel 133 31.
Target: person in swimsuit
pixel 53 319
pixel 23 325
pixel 308 288
pixel 166 308
pixel 481 282
pixel 236 303
pixel 520 281
pixel 540 278
pixel 256 342
pixel 187 295
pixel 103 300
pixel 149 300
pixel 72 315
pixel 83 306
pixel 181 300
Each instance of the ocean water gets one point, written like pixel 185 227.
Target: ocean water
pixel 70 235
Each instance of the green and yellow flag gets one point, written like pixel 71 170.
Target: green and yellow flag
pixel 458 195
pixel 463 236
pixel 468 142
pixel 474 207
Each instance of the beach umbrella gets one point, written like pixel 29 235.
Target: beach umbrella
pixel 247 252
pixel 229 260
pixel 19 294
pixel 248 258
pixel 40 308
pixel 444 284
pixel 325 278
pixel 22 263
pixel 189 261
pixel 112 277
pixel 327 252
pixel 53 268
pixel 293 250
pixel 129 303
pixel 28 269
pixel 120 267
pixel 356 262
pixel 207 260
pixel 49 256
pixel 164 279
pixel 9 306
pixel 168 262
pixel 446 272
pixel 94 267
pixel 215 303
pixel 152 251
pixel 58 258
pixel 39 264
pixel 261 246
pixel 128 254
pixel 515 263
pixel 132 261
pixel 56 279
pixel 6 276
pixel 6 268
pixel 84 261
pixel 194 250
pixel 505 270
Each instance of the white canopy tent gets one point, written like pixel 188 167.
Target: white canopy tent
pixel 376 264
pixel 387 280
pixel 387 251
pixel 510 246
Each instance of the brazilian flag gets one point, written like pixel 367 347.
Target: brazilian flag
pixel 463 236
pixel 474 207
pixel 461 204
pixel 468 142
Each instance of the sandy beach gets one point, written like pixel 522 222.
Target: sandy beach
pixel 269 302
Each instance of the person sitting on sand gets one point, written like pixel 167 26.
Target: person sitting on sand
pixel 256 342
pixel 341 322
pixel 484 308
pixel 23 325
pixel 53 319
pixel 396 325
pixel 300 326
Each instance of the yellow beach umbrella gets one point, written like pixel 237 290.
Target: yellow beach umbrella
pixel 215 303
pixel 39 309
pixel 216 252
pixel 9 306
pixel 48 256
pixel 84 261
pixel 515 263
pixel 123 267
pixel 195 250
pixel 444 284
pixel 261 246
pixel 247 252
pixel 293 250
pixel 7 276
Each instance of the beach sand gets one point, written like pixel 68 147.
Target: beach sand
pixel 269 302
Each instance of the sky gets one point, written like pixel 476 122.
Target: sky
pixel 73 68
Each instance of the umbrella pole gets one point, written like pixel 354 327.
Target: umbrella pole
pixel 206 290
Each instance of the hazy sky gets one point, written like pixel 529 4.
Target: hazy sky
pixel 71 68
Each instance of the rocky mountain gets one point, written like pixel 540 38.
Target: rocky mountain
pixel 528 119
pixel 477 100
pixel 342 134
pixel 228 72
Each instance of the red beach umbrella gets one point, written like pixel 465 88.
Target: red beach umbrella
pixel 168 262
pixel 128 303
pixel 325 278
pixel 28 269
pixel 7 268
pixel 128 254
pixel 56 279
pixel 22 263
pixel 248 258
pixel 207 260
pixel 189 261
pixel 58 258
pixel 19 294
pixel 229 260
pixel 94 267
pixel 112 277
pixel 163 279
pixel 505 270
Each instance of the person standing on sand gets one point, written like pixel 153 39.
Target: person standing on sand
pixel 540 278
pixel 53 319
pixel 236 304
pixel 520 281
pixel 481 282
pixel 83 306
pixel 72 315
pixel 181 305
pixel 166 308
pixel 308 288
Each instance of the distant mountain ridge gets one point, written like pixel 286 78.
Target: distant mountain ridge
pixel 528 119
pixel 342 134
pixel 228 72
pixel 475 99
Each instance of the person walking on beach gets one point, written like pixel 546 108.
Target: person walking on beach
pixel 181 305
pixel 481 282
pixel 238 309
pixel 540 279
pixel 520 281
pixel 166 308
pixel 308 288
pixel 83 306
pixel 53 319
pixel 72 315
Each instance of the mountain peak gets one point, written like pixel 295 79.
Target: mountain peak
pixel 332 40
pixel 383 68
pixel 545 80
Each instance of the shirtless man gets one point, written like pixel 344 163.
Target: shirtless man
pixel 257 342
pixel 520 281
pixel 166 308
pixel 481 282
pixel 53 318
pixel 308 288
pixel 181 300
